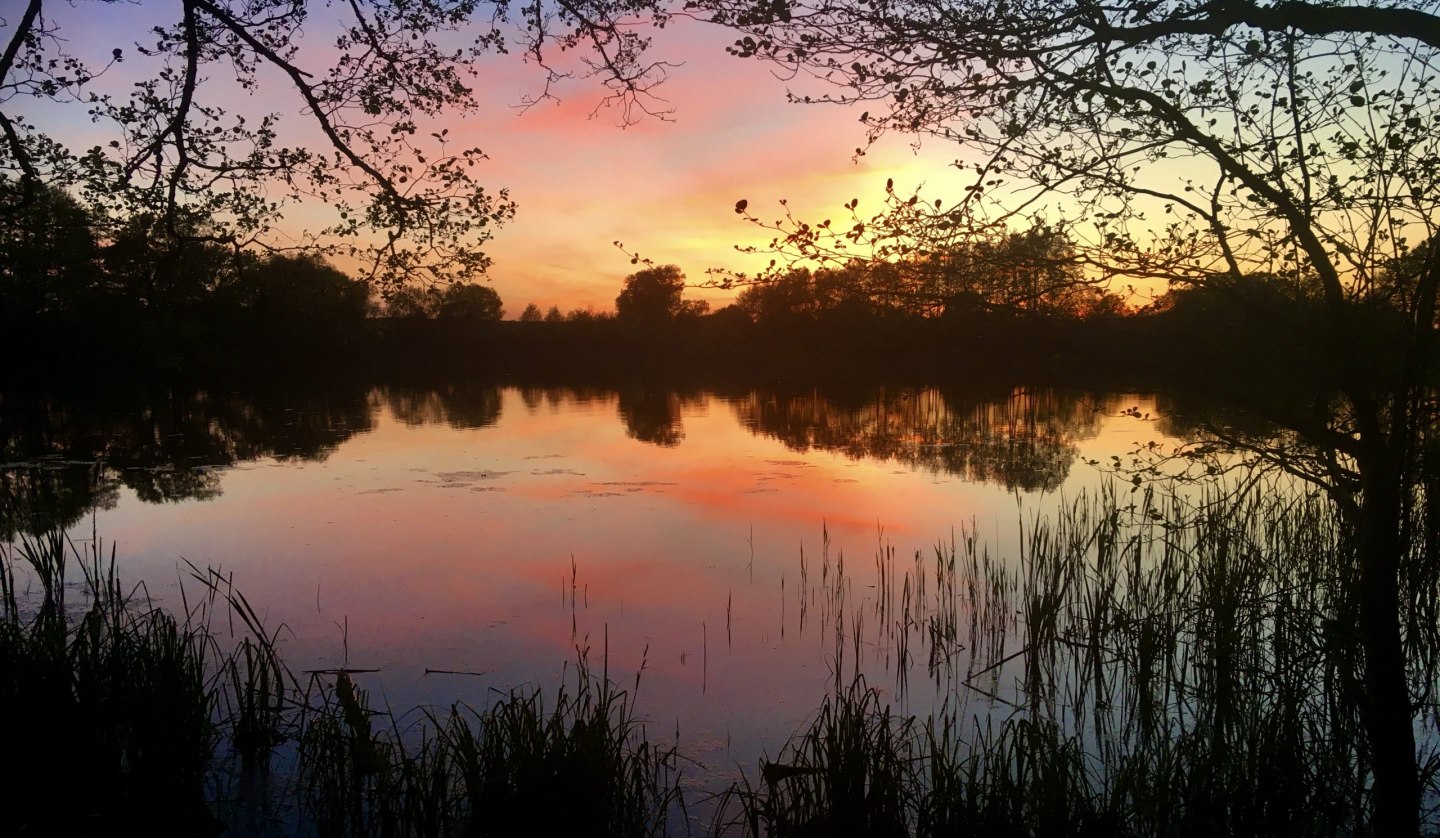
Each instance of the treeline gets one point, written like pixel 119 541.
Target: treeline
pixel 860 320
pixel 79 295
pixel 160 294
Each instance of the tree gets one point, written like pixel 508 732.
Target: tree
pixel 48 256
pixel 651 295
pixel 531 314
pixel 161 272
pixel 413 302
pixel 302 290
pixel 470 304
pixel 370 87
pixel 1193 143
pixel 787 297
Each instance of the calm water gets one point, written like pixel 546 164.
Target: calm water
pixel 492 531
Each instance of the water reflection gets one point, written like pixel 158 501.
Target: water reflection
pixel 39 497
pixel 653 414
pixel 62 459
pixel 495 529
pixel 1024 439
pixel 462 406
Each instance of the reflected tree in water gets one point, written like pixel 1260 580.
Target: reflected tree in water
pixel 1023 440
pixel 63 459
pixel 466 405
pixel 653 415
pixel 41 497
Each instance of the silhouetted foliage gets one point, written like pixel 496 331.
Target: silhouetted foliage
pixel 48 257
pixel 342 127
pixel 651 296
pixel 413 302
pixel 531 314
pixel 1034 272
pixel 300 292
pixel 161 272
pixel 470 304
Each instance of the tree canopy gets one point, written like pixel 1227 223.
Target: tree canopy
pixel 653 296
pixel 1174 140
pixel 240 111
pixel 471 304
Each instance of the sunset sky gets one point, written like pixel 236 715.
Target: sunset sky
pixel 667 189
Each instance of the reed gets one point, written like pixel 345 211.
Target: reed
pixel 1152 663
pixel 111 725
pixel 1157 663
pixel 579 765
pixel 128 718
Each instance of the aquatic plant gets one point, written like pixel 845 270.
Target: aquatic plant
pixel 581 766
pixel 1152 664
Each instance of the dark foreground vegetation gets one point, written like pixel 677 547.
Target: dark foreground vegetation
pixel 170 724
pixel 1173 663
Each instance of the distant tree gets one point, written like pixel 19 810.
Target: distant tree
pixel 412 302
pixel 731 316
pixel 48 256
pixel 584 315
pixel 693 308
pixel 296 295
pixel 162 272
pixel 788 296
pixel 1101 303
pixel 531 314
pixel 554 315
pixel 651 295
pixel 1035 270
pixel 470 303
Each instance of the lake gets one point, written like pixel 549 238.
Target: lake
pixel 470 539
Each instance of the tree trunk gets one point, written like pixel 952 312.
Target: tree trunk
pixel 1387 713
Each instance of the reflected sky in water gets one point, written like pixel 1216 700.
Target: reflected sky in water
pixel 495 530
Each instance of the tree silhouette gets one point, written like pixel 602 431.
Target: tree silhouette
pixel 414 302
pixel 470 304
pixel 400 195
pixel 48 257
pixel 160 272
pixel 651 296
pixel 294 300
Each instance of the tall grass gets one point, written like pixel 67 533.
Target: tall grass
pixel 580 767
pixel 1146 665
pixel 123 718
pixel 109 721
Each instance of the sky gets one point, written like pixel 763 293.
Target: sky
pixel 665 188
